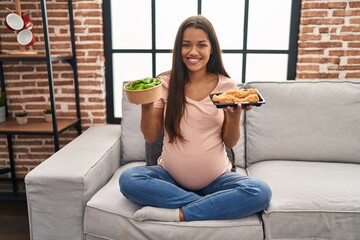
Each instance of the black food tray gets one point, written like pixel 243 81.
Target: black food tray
pixel 243 104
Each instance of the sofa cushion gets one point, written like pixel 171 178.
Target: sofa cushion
pixel 305 120
pixel 132 140
pixel 109 214
pixel 239 148
pixel 154 150
pixel 311 200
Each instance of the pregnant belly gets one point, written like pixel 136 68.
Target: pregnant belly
pixel 195 172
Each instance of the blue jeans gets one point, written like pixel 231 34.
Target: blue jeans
pixel 228 197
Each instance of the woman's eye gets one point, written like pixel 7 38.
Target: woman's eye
pixel 186 45
pixel 202 45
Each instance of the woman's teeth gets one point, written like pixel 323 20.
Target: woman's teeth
pixel 194 60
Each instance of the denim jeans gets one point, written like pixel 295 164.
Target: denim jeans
pixel 228 197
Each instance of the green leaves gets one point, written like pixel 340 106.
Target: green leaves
pixel 47 111
pixel 21 114
pixel 144 83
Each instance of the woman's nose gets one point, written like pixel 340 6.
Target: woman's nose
pixel 193 50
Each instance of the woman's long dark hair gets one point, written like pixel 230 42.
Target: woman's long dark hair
pixel 179 74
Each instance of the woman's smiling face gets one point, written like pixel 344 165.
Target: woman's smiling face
pixel 196 49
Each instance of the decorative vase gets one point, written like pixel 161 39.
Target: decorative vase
pixel 21 120
pixel 48 117
pixel 2 114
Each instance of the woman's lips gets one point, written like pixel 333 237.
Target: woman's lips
pixel 193 60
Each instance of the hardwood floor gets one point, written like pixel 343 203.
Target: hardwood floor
pixel 14 223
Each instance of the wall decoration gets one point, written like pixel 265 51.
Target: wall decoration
pixel 21 24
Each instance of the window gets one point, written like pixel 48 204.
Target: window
pixel 257 44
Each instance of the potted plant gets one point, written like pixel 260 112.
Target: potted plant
pixel 2 107
pixel 47 114
pixel 21 117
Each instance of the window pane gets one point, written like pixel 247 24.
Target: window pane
pixel 169 16
pixel 128 67
pixel 269 29
pixel 228 20
pixel 163 62
pixel 266 67
pixel 131 24
pixel 233 65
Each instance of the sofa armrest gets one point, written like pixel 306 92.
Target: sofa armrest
pixel 58 189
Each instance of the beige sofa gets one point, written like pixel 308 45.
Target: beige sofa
pixel 304 142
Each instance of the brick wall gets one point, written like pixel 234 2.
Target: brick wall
pixel 27 84
pixel 329 40
pixel 329 47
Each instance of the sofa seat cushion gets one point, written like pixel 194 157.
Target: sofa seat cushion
pixel 311 199
pixel 109 214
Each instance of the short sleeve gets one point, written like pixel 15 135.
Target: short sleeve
pixel 159 103
pixel 225 84
pixel 165 86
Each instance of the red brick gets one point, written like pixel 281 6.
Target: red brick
pixel 344 52
pixel 320 44
pixel 350 29
pixel 354 20
pixel 323 5
pixel 317 75
pixel 307 14
pixel 348 37
pixel 354 4
pixel 309 37
pixel 353 61
pixel 308 68
pixel 304 30
pixel 353 75
pixel 322 21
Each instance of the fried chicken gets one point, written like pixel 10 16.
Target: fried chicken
pixel 233 96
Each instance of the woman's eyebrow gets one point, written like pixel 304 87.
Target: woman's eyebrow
pixel 197 41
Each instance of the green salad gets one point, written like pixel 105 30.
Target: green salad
pixel 144 83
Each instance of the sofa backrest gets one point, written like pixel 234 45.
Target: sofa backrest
pixel 133 143
pixel 317 120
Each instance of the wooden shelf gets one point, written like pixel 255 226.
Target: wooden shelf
pixel 35 126
pixel 38 126
pixel 34 57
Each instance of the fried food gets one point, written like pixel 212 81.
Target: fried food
pixel 233 96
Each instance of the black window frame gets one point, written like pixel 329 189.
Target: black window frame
pixel 109 51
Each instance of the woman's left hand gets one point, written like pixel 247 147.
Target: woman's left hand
pixel 247 108
pixel 236 112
